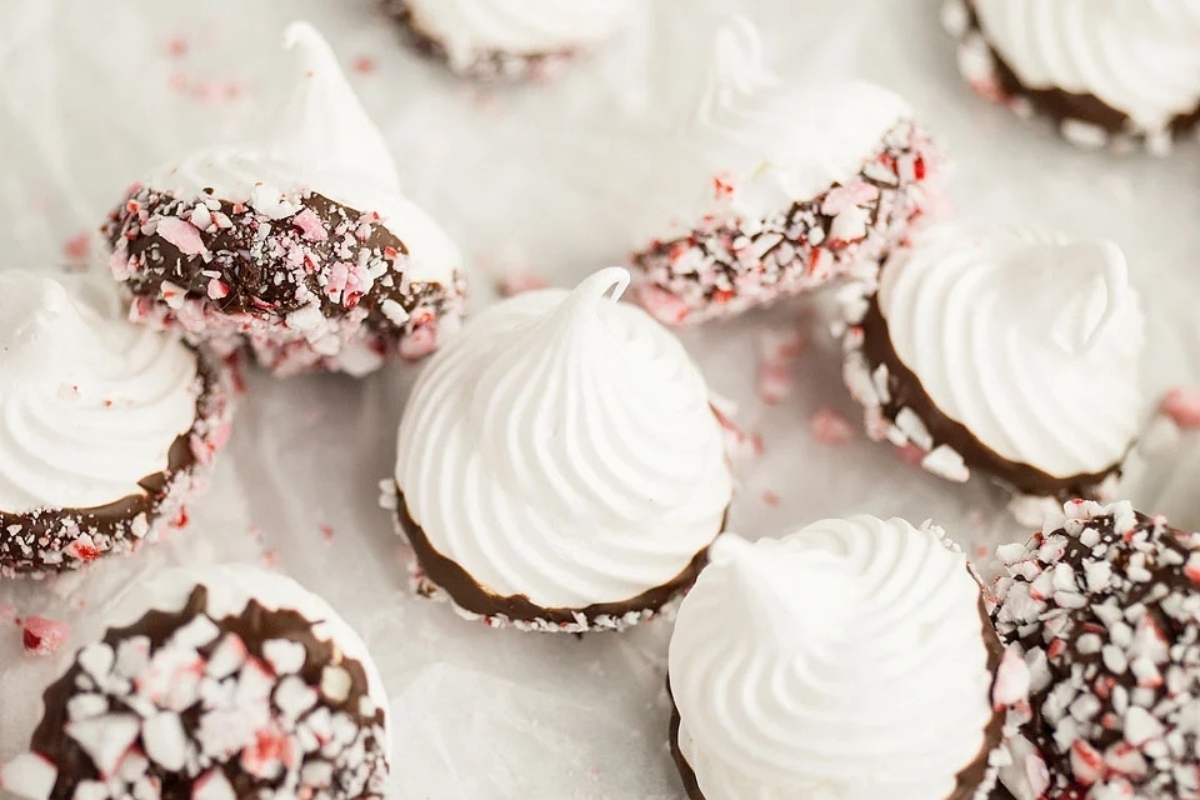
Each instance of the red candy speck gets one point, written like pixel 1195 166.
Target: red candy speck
pixel 78 246
pixel 831 428
pixel 43 636
pixel 1183 406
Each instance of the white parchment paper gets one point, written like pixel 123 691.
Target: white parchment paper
pixel 544 178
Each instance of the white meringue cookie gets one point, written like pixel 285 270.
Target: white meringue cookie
pixel 90 404
pixel 470 29
pixel 1140 57
pixel 1029 340
pixel 845 661
pixel 771 144
pixel 321 141
pixel 562 447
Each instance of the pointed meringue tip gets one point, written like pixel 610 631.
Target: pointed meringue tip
pixel 306 36
pixel 729 548
pixel 610 282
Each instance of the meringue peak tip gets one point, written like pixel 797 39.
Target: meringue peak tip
pixel 305 35
pixel 729 548
pixel 610 282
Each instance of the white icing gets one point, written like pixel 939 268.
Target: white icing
pixel 775 143
pixel 469 29
pixel 845 661
pixel 1031 341
pixel 321 140
pixel 90 404
pixel 562 446
pixel 231 587
pixel 1141 57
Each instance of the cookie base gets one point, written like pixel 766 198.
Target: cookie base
pixel 725 267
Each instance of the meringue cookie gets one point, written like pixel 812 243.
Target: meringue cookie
pixel 104 423
pixel 1100 68
pixel 769 189
pixel 1099 611
pixel 1014 351
pixel 559 461
pixel 300 243
pixel 851 660
pixel 509 38
pixel 207 677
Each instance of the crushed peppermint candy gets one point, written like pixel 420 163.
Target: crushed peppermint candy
pixel 727 264
pixel 301 281
pixel 1102 609
pixel 43 636
pixel 259 700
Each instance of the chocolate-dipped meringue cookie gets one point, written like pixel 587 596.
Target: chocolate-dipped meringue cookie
pixel 559 465
pixel 1106 72
pixel 299 245
pixel 508 39
pixel 213 683
pixel 1102 603
pixel 1008 351
pixel 769 189
pixel 106 429
pixel 851 660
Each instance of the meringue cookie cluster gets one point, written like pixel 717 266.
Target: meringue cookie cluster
pixel 849 660
pixel 577 458
pixel 90 405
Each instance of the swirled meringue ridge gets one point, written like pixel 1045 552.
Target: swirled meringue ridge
pixel 562 448
pixel 90 405
pixel 848 661
pixel 1029 340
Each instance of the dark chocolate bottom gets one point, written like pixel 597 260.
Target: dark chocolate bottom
pixel 948 448
pixel 518 610
pixel 491 65
pixel 57 540
pixel 1083 119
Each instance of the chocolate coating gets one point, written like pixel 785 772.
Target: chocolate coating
pixel 469 595
pixel 1063 106
pixel 494 65
pixel 270 268
pixel 1105 610
pixel 35 542
pixel 905 391
pixel 255 626
pixel 970 779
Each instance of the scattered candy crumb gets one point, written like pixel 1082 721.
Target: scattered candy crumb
pixel 176 47
pixel 1183 406
pixel 363 65
pixel 831 427
pixel 78 246
pixel 770 498
pixel 43 636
